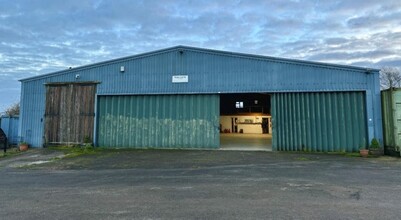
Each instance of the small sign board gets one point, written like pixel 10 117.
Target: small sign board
pixel 180 79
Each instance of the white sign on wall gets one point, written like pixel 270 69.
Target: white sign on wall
pixel 180 79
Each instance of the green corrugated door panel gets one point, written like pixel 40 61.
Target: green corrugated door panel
pixel 274 104
pixel 323 122
pixel 391 111
pixel 158 121
pixel 397 119
pixel 397 123
pixel 387 122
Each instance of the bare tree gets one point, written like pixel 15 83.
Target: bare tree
pixel 390 77
pixel 12 110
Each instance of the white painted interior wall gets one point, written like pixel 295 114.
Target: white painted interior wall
pixel 256 128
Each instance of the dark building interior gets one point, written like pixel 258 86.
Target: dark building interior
pixel 245 103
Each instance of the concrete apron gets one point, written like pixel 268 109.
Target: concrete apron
pixel 245 142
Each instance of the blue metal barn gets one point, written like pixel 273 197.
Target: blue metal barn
pixel 10 124
pixel 170 98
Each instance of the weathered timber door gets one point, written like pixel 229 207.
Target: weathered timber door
pixel 69 114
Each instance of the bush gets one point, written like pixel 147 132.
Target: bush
pixel 374 144
pixel 12 110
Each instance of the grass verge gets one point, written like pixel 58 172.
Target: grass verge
pixel 10 152
pixel 75 151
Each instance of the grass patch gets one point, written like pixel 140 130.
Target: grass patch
pixel 10 152
pixel 354 154
pixel 76 151
pixel 302 159
pixel 337 153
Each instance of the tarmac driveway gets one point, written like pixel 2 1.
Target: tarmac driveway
pixel 152 184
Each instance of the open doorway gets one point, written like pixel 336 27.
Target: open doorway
pixel 245 121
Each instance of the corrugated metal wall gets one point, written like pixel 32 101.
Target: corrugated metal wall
pixel 391 109
pixel 212 72
pixel 322 122
pixel 158 121
pixel 32 112
pixel 10 128
pixel 209 72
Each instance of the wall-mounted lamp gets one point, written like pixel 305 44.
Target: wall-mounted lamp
pixel 77 76
pixel 256 102
pixel 122 69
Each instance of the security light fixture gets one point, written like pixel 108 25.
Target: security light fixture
pixel 369 71
pixel 122 69
pixel 77 76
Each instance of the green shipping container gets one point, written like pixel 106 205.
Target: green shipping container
pixel 158 121
pixel 319 121
pixel 391 110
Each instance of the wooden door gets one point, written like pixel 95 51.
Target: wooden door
pixel 69 113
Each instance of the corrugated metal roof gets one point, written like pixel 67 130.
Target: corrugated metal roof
pixel 211 51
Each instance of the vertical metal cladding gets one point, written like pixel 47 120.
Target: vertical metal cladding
pixel 319 121
pixel 209 72
pixel 9 124
pixel 33 98
pixel 158 121
pixel 391 110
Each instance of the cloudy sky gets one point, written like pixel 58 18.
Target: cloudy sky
pixel 38 37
